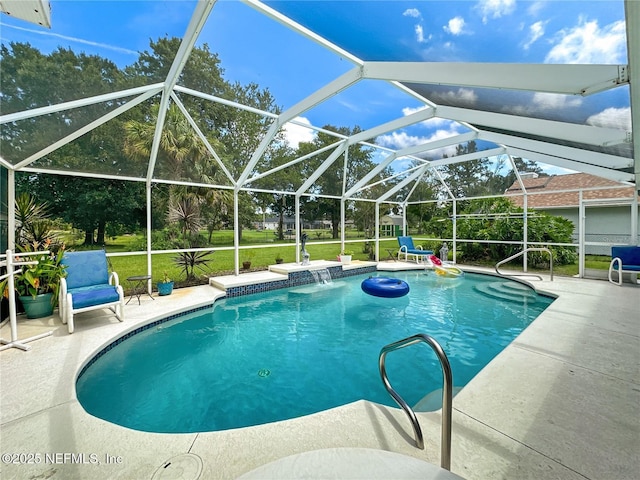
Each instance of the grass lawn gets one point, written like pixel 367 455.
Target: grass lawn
pixel 264 252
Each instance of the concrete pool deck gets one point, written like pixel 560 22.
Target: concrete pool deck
pixel 561 402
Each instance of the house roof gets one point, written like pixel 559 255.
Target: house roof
pixel 564 190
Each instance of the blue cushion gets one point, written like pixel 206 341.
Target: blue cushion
pixel 420 252
pixel 406 242
pixel 94 295
pixel 629 255
pixel 85 269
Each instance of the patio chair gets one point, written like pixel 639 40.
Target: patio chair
pixel 408 249
pixel 88 286
pixel 624 259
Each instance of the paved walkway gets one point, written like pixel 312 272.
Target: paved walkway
pixel 561 402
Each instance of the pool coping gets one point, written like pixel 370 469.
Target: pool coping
pixel 575 342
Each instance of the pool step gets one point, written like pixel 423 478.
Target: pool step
pixel 509 291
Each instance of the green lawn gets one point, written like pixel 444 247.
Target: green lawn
pixel 266 249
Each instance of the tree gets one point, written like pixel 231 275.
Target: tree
pixel 331 181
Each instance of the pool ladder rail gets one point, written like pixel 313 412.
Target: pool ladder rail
pixel 447 393
pixel 525 274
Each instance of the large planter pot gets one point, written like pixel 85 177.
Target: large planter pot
pixel 37 307
pixel 346 259
pixel 165 288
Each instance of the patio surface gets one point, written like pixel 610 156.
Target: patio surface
pixel 561 402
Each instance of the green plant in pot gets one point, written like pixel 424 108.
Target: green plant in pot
pixel 37 285
pixel 247 256
pixel 279 258
pixel 345 256
pixel 165 286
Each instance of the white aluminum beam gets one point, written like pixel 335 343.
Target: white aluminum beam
pixel 107 97
pixel 577 166
pixel 87 128
pixel 469 156
pixel 332 88
pixel 632 16
pixel 579 155
pixel 296 27
pixel 553 78
pixel 547 128
pixel 293 162
pixel 414 176
pixel 416 117
pixel 421 148
pixel 202 137
pixel 326 164
pixel 197 22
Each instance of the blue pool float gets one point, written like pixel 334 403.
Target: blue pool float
pixel 385 287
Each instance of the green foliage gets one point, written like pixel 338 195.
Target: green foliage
pixel 189 262
pixel 43 277
pixel 497 219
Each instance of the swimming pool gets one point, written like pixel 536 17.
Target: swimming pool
pixel 283 354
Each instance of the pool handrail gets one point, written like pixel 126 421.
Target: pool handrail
pixel 520 253
pixel 447 393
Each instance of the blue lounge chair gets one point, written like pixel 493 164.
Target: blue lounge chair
pixel 624 259
pixel 88 286
pixel 408 249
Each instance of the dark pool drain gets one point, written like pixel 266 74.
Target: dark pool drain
pixel 264 372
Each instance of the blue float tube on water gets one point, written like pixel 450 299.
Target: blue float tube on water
pixel 385 287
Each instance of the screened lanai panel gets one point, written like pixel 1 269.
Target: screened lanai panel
pixel 105 150
pixel 86 50
pixel 284 65
pixel 25 141
pixel 605 109
pixel 485 176
pixel 232 134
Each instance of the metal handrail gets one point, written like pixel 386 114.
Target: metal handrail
pixel 522 252
pixel 447 393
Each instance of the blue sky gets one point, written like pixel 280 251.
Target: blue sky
pixel 254 48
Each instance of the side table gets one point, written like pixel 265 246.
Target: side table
pixel 139 287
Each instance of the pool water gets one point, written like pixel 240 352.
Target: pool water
pixel 283 354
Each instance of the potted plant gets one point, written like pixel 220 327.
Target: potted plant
pixel 248 255
pixel 279 258
pixel 37 285
pixel 165 286
pixel 345 256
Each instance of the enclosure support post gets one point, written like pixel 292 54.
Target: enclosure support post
pixel 525 230
pixel 581 234
pixel 11 209
pixel 377 234
pixel 149 246
pixel 236 232
pixel 455 231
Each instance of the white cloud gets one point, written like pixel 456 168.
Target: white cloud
pixel 419 33
pixel 588 43
pixel 495 8
pixel 555 101
pixel 412 12
pixel 296 134
pixel 455 26
pixel 535 32
pixel 401 139
pixel 619 118
pixel 535 8
pixel 462 97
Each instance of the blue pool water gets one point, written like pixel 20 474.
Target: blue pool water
pixel 283 354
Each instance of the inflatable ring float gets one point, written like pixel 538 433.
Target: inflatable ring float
pixel 385 287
